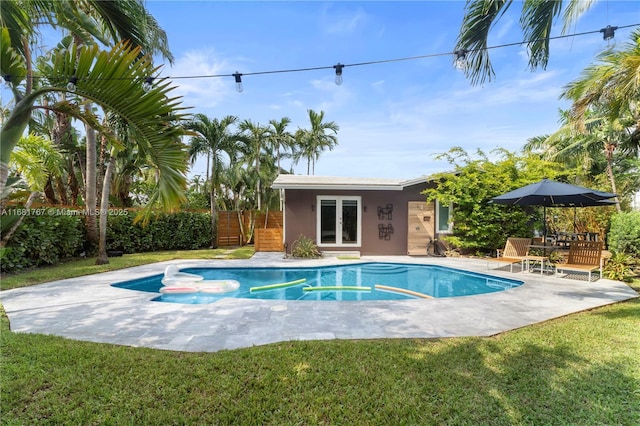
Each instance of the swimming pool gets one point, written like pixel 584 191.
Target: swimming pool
pixel 364 281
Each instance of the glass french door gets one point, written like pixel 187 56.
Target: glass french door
pixel 339 221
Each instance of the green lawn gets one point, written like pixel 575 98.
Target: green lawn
pixel 583 369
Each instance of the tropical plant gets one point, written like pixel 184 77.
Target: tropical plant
pixel 624 233
pixel 112 79
pixel 305 248
pixel 619 267
pixel 536 20
pixel 255 137
pixel 313 141
pixel 281 140
pixel 480 225
pixel 34 160
pixel 214 138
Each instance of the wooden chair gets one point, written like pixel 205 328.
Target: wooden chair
pixel 584 256
pixel 515 251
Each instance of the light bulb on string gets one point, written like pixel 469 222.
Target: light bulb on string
pixel 608 35
pixel 461 59
pixel 338 67
pixel 148 84
pixel 238 77
pixel 71 85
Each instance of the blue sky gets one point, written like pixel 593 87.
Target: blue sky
pixel 393 117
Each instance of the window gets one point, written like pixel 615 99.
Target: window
pixel 444 218
pixel 339 221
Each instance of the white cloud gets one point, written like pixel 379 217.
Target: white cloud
pixel 342 23
pixel 201 92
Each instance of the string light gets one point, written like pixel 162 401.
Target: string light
pixel 338 68
pixel 71 86
pixel 148 84
pixel 239 86
pixel 460 61
pixel 608 32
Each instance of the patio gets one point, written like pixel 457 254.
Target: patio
pixel 89 309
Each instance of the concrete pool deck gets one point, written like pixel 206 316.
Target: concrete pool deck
pixel 90 309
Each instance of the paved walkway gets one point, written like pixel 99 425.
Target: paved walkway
pixel 88 308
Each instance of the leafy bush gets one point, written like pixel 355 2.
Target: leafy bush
pixel 43 240
pixel 305 248
pixel 177 231
pixel 480 226
pixel 48 240
pixel 619 267
pixel 624 234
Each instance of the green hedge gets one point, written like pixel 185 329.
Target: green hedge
pixel 177 231
pixel 48 240
pixel 43 240
pixel 624 233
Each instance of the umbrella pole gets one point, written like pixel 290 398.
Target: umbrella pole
pixel 544 224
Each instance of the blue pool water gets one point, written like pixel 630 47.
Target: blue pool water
pixel 429 280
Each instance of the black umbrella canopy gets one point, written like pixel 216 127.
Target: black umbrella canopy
pixel 550 193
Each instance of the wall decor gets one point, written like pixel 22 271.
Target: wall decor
pixel 385 231
pixel 385 212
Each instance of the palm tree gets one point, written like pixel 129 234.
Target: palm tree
pixel 612 86
pixel 112 79
pixel 537 19
pixel 214 138
pixel 34 159
pixel 605 103
pixel 316 138
pixel 255 136
pixel 280 138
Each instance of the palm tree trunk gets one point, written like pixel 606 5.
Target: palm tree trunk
pixel 103 258
pixel 7 235
pixel 90 186
pixel 608 149
pixel 214 212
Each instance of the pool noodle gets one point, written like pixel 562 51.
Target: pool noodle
pixel 337 288
pixel 402 290
pixel 278 285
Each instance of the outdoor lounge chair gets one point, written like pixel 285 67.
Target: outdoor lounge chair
pixel 584 256
pixel 515 251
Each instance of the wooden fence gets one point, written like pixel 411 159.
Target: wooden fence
pixel 267 238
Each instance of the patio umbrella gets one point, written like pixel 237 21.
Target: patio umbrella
pixel 549 193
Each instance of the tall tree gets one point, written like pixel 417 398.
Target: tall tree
pixel 112 79
pixel 214 138
pixel 256 137
pixel 320 136
pixel 281 140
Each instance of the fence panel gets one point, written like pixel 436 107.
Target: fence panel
pixel 268 239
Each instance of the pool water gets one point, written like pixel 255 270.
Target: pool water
pixel 424 280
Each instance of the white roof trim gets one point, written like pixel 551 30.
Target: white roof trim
pixel 343 183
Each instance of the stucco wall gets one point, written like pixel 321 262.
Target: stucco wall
pixel 301 216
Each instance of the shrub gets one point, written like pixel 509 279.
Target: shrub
pixel 43 240
pixel 48 240
pixel 624 233
pixel 176 231
pixel 619 267
pixel 305 248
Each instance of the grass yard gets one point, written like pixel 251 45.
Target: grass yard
pixel 583 369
